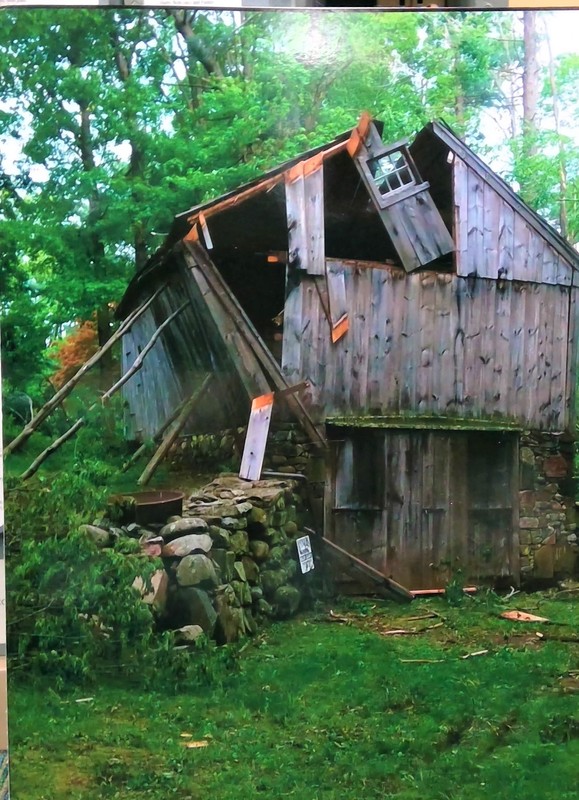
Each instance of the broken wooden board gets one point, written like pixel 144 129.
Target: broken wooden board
pixel 338 307
pixel 304 188
pixel 256 439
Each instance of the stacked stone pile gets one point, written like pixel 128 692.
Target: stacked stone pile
pixel 229 562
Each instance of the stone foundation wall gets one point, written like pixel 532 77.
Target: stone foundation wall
pixel 230 562
pixel 547 528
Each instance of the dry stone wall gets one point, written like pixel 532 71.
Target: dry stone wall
pixel 547 528
pixel 229 562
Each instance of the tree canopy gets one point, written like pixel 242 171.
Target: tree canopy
pixel 112 121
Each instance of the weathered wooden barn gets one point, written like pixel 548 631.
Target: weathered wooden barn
pixel 432 314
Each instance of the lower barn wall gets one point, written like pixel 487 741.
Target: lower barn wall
pixel 548 541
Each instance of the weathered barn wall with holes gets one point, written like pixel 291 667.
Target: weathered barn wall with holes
pixel 436 343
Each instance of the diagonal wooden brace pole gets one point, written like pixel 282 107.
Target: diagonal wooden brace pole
pixel 65 390
pixel 169 439
pixel 195 256
pixel 137 364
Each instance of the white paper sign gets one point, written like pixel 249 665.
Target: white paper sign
pixel 305 554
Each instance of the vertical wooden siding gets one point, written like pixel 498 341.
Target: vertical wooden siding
pixel 421 505
pixel 187 350
pixel 493 241
pixel 435 343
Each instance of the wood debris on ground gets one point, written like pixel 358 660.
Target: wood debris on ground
pixel 522 616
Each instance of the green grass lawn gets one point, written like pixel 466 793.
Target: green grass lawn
pixel 331 710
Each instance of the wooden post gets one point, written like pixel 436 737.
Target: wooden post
pixel 137 364
pixel 167 442
pixel 65 390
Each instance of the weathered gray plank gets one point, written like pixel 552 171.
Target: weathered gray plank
pixel 256 438
pixel 476 254
pixel 460 186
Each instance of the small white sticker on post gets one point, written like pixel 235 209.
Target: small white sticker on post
pixel 305 554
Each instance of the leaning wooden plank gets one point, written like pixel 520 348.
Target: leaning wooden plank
pixel 138 363
pixel 65 390
pixel 169 439
pixel 256 438
pixel 157 435
pixel 194 254
pixel 398 592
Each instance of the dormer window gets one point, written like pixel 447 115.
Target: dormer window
pixel 391 171
pixel 401 198
pixel 391 174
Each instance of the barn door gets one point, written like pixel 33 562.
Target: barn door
pixel 422 506
pixel 491 509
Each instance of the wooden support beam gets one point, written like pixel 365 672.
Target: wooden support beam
pixel 395 590
pixel 65 390
pixel 156 436
pixel 137 364
pixel 169 439
pixel 195 256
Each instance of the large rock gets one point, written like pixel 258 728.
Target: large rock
pixel 157 595
pixel 286 601
pixel 239 543
pixel 187 544
pixel 219 536
pixel 271 580
pixel 251 569
pixel 99 536
pixel 182 527
pixel 195 606
pixel 259 550
pixel 225 559
pixel 196 570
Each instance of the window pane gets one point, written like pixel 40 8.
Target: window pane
pixel 390 171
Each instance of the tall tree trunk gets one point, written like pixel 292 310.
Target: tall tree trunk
pixel 530 82
pixel 562 156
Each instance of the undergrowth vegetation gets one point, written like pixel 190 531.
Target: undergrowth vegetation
pixel 72 611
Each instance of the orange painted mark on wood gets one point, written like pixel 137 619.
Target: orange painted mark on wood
pixel 340 329
pixel 262 401
pixel 193 235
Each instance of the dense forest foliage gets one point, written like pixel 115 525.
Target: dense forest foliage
pixel 113 121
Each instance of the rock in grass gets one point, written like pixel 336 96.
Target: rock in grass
pixel 188 633
pixel 99 536
pixel 196 570
pixel 187 544
pixel 196 607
